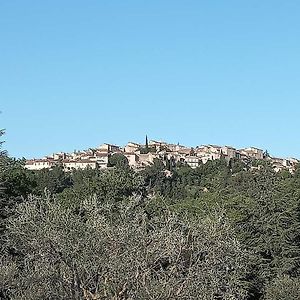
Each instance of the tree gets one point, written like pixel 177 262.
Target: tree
pixel 118 160
pixel 266 218
pixel 146 143
pixel 266 154
pixel 284 288
pixel 154 174
pixel 2 200
pixel 110 185
pixel 3 155
pixel 121 253
pixel 54 180
pixel 17 181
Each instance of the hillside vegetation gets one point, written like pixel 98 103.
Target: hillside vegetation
pixel 220 231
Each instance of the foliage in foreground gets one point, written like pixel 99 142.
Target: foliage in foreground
pixel 118 252
pixel 284 288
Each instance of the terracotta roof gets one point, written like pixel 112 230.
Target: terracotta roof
pixel 40 160
pixel 86 161
pixel 68 160
pixel 79 161
pixel 101 154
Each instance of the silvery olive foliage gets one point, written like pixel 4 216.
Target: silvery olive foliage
pixel 118 251
pixel 283 288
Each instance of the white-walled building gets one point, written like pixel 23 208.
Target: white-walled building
pixel 132 147
pixel 175 147
pixel 109 148
pixel 101 159
pixel 133 159
pixel 176 153
pixel 193 161
pixel 147 159
pixel 253 152
pixel 39 164
pixel 79 164
pixel 230 152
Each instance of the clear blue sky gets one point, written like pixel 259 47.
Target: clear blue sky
pixel 75 74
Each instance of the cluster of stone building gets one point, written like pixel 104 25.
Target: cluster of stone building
pixel 138 159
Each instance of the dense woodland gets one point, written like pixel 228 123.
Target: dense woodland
pixel 220 231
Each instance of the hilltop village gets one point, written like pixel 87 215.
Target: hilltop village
pixel 139 156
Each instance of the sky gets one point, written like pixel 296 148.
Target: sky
pixel 75 74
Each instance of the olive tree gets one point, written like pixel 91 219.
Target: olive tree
pixel 284 288
pixel 119 252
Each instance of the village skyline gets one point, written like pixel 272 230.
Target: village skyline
pixel 225 73
pixel 141 155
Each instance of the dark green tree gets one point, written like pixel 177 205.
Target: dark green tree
pixel 146 143
pixel 54 180
pixel 118 160
pixel 17 181
pixel 266 217
pixel 266 154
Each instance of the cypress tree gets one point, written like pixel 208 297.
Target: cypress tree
pixel 146 144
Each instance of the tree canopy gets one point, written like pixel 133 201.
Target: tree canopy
pixel 224 230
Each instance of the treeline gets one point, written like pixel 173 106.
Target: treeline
pixel 220 231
